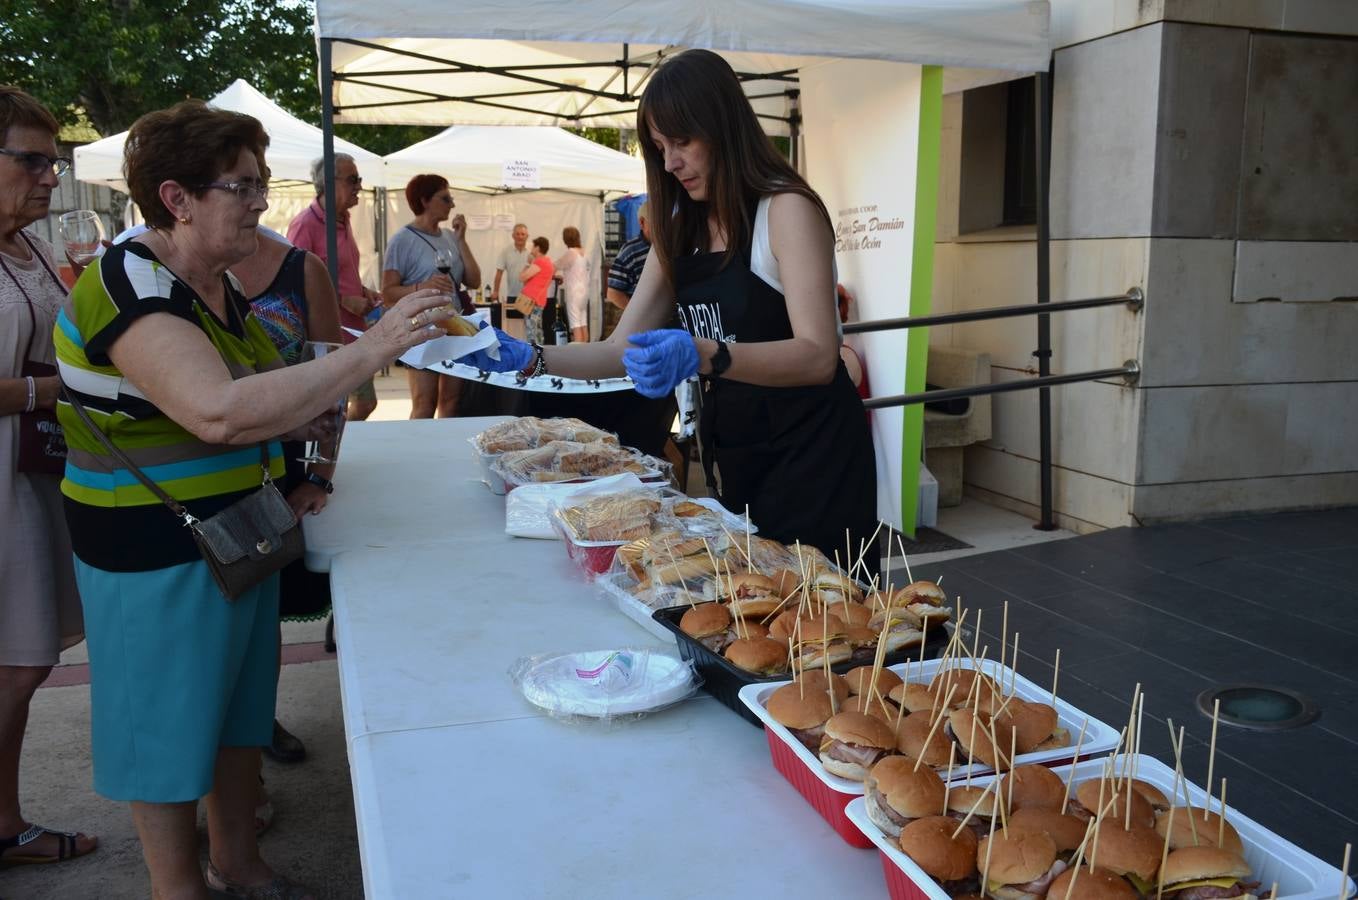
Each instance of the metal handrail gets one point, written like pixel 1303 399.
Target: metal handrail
pixel 1129 372
pixel 1133 300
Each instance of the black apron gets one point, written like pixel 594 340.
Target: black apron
pixel 800 457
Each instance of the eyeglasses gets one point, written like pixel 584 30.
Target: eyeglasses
pixel 245 191
pixel 353 180
pixel 39 164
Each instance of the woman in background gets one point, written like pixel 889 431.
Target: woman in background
pixel 39 607
pixel 572 271
pixel 536 277
pixel 413 257
pixel 291 295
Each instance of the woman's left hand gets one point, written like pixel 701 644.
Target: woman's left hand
pixel 659 361
pixel 459 226
pixel 306 498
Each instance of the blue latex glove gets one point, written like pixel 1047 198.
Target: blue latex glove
pixel 659 361
pixel 515 355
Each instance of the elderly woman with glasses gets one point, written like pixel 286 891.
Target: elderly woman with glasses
pixel 160 346
pixel 425 255
pixel 39 606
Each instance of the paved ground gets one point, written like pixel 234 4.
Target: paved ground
pixel 1176 608
pixel 1271 599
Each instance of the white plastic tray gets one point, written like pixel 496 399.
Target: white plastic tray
pixel 630 606
pixel 1099 737
pixel 1300 875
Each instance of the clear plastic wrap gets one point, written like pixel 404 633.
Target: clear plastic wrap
pixel 605 685
pixel 530 510
pixel 594 525
pixel 574 461
pixel 527 432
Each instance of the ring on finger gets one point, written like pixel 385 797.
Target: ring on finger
pixel 414 322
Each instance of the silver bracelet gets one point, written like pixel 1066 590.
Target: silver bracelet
pixel 32 394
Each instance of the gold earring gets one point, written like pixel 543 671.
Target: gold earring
pixel 184 221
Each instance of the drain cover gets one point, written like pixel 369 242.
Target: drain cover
pixel 1259 707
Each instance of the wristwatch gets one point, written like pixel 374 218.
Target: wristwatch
pixel 322 483
pixel 721 360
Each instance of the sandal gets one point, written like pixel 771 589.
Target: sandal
pixel 66 847
pixel 279 888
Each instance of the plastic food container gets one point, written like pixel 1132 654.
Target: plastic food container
pixel 596 557
pixel 829 794
pixel 725 681
pixel 489 476
pixel 610 585
pixel 1300 875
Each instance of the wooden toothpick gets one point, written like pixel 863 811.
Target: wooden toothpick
pixel 1056 673
pixel 1212 750
pixel 934 727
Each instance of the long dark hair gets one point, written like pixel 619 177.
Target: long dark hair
pixel 695 94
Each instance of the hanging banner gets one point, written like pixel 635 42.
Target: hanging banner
pixel 872 137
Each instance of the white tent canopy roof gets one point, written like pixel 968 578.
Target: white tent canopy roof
pixel 563 64
pixel 293 144
pixel 472 157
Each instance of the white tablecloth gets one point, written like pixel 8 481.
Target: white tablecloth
pixel 462 788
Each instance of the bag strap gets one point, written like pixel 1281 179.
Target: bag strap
pixel 175 506
pixel 432 245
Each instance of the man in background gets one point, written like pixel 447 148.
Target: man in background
pixel 627 266
pixel 511 261
pixel 307 231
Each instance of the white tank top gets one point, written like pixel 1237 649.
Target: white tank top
pixel 765 265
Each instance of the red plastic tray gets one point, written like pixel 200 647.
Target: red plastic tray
pixel 594 560
pixel 898 884
pixel 825 800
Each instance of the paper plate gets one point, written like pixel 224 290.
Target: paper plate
pixel 605 683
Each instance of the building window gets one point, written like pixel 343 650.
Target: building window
pixel 998 185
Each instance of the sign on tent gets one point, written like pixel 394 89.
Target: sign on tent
pixel 521 173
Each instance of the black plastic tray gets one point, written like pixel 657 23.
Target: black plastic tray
pixel 723 680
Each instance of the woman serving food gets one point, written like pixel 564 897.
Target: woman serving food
pixel 745 266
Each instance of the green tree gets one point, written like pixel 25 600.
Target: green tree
pixel 106 62
pixel 116 59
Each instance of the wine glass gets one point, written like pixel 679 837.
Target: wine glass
pixel 325 448
pixel 443 261
pixel 82 233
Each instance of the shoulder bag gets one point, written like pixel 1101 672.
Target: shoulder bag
pixel 243 544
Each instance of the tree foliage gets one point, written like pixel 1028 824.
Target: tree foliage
pixel 106 62
pixel 117 59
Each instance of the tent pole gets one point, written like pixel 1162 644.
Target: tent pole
pixel 328 151
pixel 794 122
pixel 1041 90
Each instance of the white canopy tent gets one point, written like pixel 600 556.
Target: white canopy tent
pixel 293 144
pixel 586 64
pixel 574 177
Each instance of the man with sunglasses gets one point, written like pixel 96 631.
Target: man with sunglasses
pixel 308 232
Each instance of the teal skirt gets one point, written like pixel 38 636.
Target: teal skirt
pixel 176 672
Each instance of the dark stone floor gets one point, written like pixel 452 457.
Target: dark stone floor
pixel 1179 608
